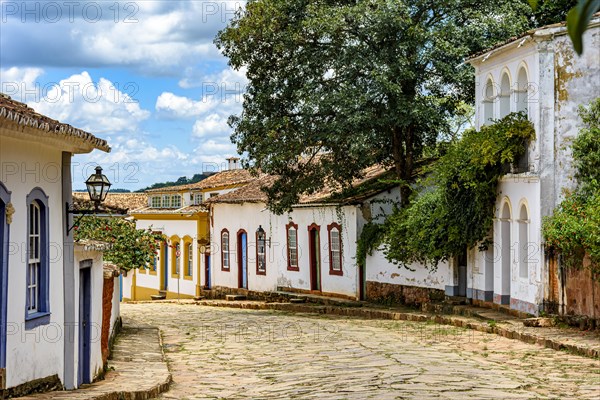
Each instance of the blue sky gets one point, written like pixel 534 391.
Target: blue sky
pixel 145 75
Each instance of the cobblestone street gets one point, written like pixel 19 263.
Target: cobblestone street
pixel 234 354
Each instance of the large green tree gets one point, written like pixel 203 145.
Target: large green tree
pixel 335 86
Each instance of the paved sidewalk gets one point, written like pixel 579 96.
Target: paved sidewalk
pixel 575 341
pixel 136 346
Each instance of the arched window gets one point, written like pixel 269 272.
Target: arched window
pixel 488 102
pixel 37 299
pixel 523 242
pixel 522 92
pixel 292 247
pixel 504 96
pixel 225 262
pixel 335 249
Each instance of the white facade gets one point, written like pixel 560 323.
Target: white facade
pixel 33 353
pixel 39 327
pixel 237 219
pixel 148 282
pixel 544 69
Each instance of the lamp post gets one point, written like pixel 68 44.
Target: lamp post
pixel 98 186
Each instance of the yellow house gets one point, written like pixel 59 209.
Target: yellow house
pixel 181 268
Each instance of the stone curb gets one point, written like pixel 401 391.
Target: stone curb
pixel 507 331
pixel 99 389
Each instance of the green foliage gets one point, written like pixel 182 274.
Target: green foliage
pixel 131 247
pixel 181 181
pixel 456 211
pixel 337 86
pixel 370 238
pixel 586 148
pixel 574 228
pixel 578 19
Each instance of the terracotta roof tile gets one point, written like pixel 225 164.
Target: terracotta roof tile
pixel 224 178
pixel 22 114
pixel 252 192
pixel 115 203
pixel 182 210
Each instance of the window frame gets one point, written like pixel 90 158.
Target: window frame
pixel 175 259
pixel 332 270
pixel 5 196
pixel 258 255
pixel 42 314
pixel 155 201
pixel 290 267
pixel 188 257
pixel 176 201
pixel 223 251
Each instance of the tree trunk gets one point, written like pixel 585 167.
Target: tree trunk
pixel 402 148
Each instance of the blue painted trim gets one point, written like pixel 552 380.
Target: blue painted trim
pixel 451 290
pixel 244 238
pixel 42 317
pixel 38 319
pixel 469 293
pixel 4 241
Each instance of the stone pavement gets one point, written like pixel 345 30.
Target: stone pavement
pixel 137 370
pixel 229 353
pixel 575 341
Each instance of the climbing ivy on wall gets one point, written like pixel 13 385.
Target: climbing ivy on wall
pixel 455 209
pixel 574 228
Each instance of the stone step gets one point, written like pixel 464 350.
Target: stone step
pixel 298 299
pixel 235 297
pixel 158 296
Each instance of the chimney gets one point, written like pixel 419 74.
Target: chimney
pixel 233 163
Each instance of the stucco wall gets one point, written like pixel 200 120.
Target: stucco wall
pixel 182 286
pixel 236 217
pixel 381 270
pixel 35 353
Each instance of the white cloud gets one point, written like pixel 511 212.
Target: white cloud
pixel 156 37
pixel 19 83
pixel 181 107
pixel 211 125
pixel 97 107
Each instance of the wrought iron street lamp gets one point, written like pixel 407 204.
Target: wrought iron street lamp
pixel 98 186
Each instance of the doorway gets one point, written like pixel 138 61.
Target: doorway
pixel 4 200
pixel 85 337
pixel 505 227
pixel 207 283
pixel 314 253
pixel 164 273
pixel 361 281
pixel 242 256
pixel 462 274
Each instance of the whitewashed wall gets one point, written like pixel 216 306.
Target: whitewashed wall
pixel 37 353
pixel 180 228
pixel 249 216
pixel 379 269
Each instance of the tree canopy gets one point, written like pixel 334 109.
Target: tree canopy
pixel 336 86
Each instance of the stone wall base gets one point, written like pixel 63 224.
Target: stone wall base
pixel 47 384
pixel 219 292
pixel 389 293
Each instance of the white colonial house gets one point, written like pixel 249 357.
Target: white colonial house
pixel 183 263
pixel 311 249
pixel 540 74
pixel 50 288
